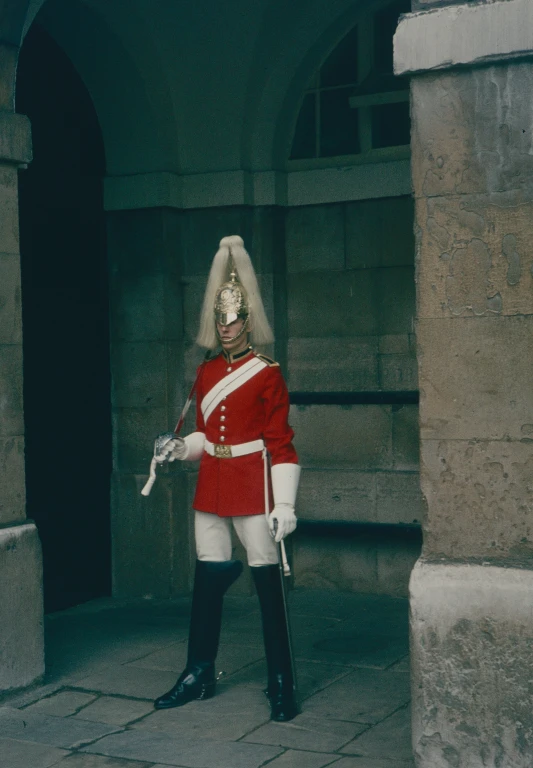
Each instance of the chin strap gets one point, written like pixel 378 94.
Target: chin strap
pixel 244 329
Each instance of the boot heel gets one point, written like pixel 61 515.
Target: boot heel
pixel 207 691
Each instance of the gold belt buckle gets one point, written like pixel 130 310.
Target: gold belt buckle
pixel 223 451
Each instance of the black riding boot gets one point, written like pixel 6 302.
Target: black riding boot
pixel 197 681
pixel 280 688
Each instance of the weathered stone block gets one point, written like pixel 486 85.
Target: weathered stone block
pixel 9 51
pixel 315 238
pixel 480 498
pixel 15 138
pixel 479 384
pixel 11 414
pixel 21 607
pixel 398 497
pixel 134 432
pixel 144 242
pixel 337 563
pixel 335 304
pixel 9 222
pixel 396 300
pixel 202 229
pixel 472 132
pixel 476 255
pixel 139 374
pixel 379 233
pixel 341 436
pixel 398 373
pixel 405 437
pixel 395 561
pixel 10 300
pixel 137 307
pixel 395 344
pixel 12 486
pixel 150 536
pixel 359 562
pixel 333 365
pixel 471 637
pixel 334 495
pixel 145 288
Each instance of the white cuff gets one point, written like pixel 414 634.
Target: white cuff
pixel 285 478
pixel 195 446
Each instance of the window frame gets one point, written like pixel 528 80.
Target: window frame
pixel 363 103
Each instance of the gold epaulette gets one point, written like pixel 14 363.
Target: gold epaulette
pixel 268 360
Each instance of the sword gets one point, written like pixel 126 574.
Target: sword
pixel 283 564
pixel 164 438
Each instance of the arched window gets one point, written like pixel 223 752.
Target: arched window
pixel 354 104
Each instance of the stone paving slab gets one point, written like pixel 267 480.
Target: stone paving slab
pixel 186 752
pixel 82 760
pixel 45 729
pixel 24 754
pixel 298 759
pixel 370 762
pixel 301 624
pixel 229 716
pixel 308 732
pixel 311 677
pixel 390 737
pixel 142 746
pixel 228 754
pixel 124 680
pixel 33 694
pixel 363 696
pixel 115 710
pixel 89 647
pixel 61 704
pixel 230 659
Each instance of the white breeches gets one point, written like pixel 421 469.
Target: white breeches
pixel 213 538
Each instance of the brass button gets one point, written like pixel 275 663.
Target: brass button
pixel 229 369
pixel 222 418
pixel 222 407
pixel 222 428
pixel 222 438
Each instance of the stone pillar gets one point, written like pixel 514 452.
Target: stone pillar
pixel 21 606
pixel 472 163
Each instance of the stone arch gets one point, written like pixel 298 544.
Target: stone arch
pixel 125 80
pixel 278 90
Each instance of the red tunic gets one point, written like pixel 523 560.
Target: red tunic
pixel 259 408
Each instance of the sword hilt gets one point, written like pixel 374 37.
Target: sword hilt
pixel 282 552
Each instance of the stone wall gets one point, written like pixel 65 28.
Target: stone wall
pixel 352 367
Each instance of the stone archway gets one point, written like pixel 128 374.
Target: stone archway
pixel 136 143
pixel 66 326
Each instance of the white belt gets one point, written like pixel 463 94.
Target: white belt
pixel 232 451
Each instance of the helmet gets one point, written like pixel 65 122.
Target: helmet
pixel 232 292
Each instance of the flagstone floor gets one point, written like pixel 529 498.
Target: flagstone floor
pixel 107 660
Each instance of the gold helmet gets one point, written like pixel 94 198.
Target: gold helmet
pixel 232 292
pixel 231 301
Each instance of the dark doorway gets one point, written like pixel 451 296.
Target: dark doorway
pixel 66 326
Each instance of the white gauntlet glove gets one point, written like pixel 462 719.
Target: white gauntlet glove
pixel 282 520
pixel 169 447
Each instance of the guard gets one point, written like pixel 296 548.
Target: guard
pixel 248 479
